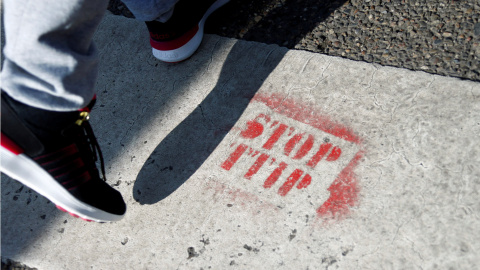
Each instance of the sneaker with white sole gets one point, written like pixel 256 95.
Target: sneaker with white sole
pixel 55 154
pixel 179 37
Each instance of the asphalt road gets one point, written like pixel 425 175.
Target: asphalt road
pixel 438 36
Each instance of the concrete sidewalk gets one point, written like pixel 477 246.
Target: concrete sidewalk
pixel 252 156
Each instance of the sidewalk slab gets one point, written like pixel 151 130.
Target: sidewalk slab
pixel 254 156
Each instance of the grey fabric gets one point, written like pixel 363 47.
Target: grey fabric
pixel 50 59
pixel 150 10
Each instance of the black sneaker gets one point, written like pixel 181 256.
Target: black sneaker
pixel 178 38
pixel 54 153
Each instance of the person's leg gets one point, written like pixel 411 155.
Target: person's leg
pixel 50 59
pixel 49 74
pixel 151 10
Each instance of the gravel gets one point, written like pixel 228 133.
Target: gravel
pixel 436 36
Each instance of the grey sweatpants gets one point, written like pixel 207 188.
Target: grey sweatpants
pixel 50 59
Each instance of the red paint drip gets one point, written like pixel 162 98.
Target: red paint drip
pixel 275 175
pixel 322 151
pixel 288 185
pixel 343 191
pixel 256 166
pixel 275 136
pixel 233 158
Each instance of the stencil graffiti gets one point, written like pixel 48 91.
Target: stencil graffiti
pixel 288 146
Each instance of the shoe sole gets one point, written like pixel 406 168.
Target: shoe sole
pixel 23 169
pixel 189 48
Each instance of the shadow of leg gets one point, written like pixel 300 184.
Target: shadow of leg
pixel 187 147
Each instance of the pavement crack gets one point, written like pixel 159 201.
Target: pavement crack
pixel 328 65
pixel 305 65
pixel 461 189
pixel 473 94
pixel 144 109
pixel 413 248
pixel 392 113
pixel 376 102
pixel 416 133
pixel 372 78
pixel 421 90
pixel 401 153
pixel 212 53
pixel 266 57
pixel 212 125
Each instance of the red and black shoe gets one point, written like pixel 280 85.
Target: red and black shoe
pixel 179 37
pixel 55 154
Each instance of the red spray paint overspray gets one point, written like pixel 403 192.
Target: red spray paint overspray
pixel 296 111
pixel 344 190
pixel 239 197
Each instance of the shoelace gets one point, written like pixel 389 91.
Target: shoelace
pixel 92 140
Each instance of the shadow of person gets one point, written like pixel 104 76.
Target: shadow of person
pixel 281 22
pixel 187 147
pixel 246 68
